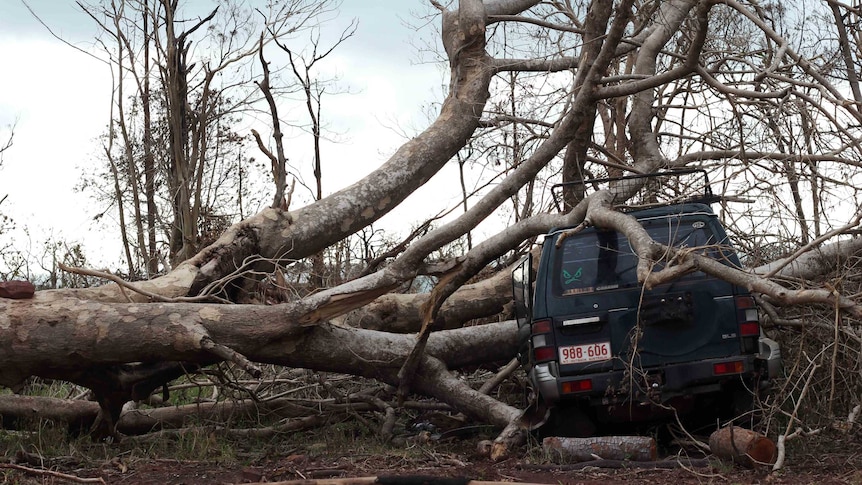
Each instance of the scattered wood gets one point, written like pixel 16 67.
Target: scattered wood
pixel 36 460
pixel 567 450
pixel 395 480
pixel 484 447
pixel 667 464
pixel 17 290
pixel 742 446
pixel 327 481
pixel 261 433
pixel 50 473
pixel 512 436
pixel 81 414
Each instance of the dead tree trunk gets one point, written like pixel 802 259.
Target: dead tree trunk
pixel 91 344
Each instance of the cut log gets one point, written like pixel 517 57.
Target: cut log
pixel 569 450
pixel 742 446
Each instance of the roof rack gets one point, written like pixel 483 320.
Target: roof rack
pixel 706 197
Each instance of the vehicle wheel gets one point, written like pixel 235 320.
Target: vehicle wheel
pixel 570 421
pixel 736 404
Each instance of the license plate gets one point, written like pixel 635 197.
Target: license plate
pixel 577 354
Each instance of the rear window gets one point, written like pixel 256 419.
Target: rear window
pixel 599 260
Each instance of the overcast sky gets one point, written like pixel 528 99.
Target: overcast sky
pixel 58 99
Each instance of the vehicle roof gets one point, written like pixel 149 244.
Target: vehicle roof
pixel 660 211
pixel 674 209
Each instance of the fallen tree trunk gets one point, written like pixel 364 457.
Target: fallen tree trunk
pixel 81 415
pixel 74 336
pixel 77 413
pixel 402 313
pixel 90 343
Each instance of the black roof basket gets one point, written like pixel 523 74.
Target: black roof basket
pixel 706 197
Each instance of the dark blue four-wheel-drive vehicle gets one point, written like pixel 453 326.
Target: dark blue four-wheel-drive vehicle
pixel 601 349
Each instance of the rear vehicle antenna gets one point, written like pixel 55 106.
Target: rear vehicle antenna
pixel 707 197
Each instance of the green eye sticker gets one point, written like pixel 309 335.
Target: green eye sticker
pixel 571 278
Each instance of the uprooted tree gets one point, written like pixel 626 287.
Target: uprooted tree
pixel 542 92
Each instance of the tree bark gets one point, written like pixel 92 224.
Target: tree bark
pixel 567 450
pixel 402 313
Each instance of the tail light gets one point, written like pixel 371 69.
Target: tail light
pixel 581 385
pixel 725 368
pixel 543 341
pixel 749 322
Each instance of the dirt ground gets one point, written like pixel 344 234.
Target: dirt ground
pixel 317 460
pixel 454 466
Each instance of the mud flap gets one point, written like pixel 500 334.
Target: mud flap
pixel 536 414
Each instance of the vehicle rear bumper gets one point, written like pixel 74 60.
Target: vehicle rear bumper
pixel 660 383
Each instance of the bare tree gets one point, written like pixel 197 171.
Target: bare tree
pixel 646 86
pixel 171 169
pixel 6 223
pixel 8 144
pixel 313 89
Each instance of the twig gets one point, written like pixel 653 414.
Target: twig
pixel 779 461
pixel 772 313
pixel 394 480
pixel 571 232
pixel 246 268
pixel 834 366
pixel 116 279
pixel 125 284
pixel 500 376
pixel 231 355
pixel 854 415
pixel 292 426
pixel 50 473
pixel 388 412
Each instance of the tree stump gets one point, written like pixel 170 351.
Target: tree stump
pixel 742 446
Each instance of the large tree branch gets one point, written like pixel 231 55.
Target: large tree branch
pixel 402 313
pixel 508 7
pixel 89 343
pixel 277 234
pixel 816 262
pixel 645 148
pixel 557 64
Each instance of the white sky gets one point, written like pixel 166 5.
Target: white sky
pixel 59 99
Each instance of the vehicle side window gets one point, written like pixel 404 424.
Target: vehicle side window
pixel 521 286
